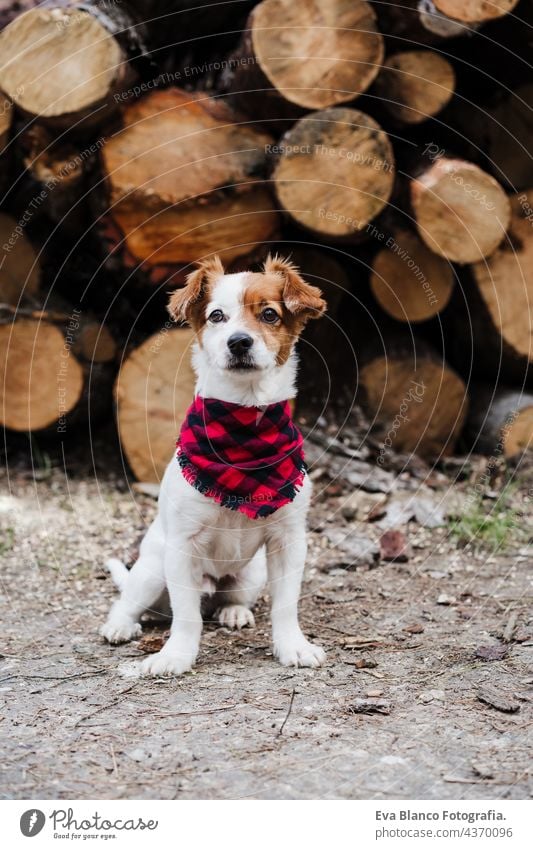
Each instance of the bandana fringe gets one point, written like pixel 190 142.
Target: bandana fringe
pixel 194 478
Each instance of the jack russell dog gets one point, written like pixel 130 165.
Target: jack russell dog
pixel 234 500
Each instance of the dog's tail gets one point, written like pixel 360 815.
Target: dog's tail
pixel 118 572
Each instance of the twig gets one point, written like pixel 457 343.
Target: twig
pixel 283 724
pixel 194 712
pixel 113 758
pixel 86 674
pixel 106 706
pixel 508 631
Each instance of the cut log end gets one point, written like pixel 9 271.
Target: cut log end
pixel 505 281
pixel 462 213
pixel 317 55
pixel 58 62
pixel 475 11
pixel 153 390
pixel 420 407
pixel 336 171
pixel 183 180
pixel 409 281
pixel 415 85
pixel 19 267
pixel 95 343
pixel 40 382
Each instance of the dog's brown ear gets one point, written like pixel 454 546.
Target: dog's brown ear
pixel 299 297
pixel 184 302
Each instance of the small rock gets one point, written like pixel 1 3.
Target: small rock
pixel 428 513
pixel 431 695
pixel 497 699
pixel 374 694
pixel 371 706
pixel 358 550
pixel 489 653
pixel 399 512
pixel 446 599
pixel 393 546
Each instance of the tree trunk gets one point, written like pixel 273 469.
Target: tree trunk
pixel 20 271
pixel 409 281
pixel 57 370
pixel 300 56
pixel 416 401
pixel 461 212
pixel 335 172
pixel 154 388
pixel 63 64
pixel 184 181
pixel 500 421
pixel 415 85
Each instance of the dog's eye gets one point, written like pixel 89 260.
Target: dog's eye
pixel 269 315
pixel 216 316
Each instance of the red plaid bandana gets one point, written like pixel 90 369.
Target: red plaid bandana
pixel 246 458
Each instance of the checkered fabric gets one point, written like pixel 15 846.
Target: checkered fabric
pixel 246 458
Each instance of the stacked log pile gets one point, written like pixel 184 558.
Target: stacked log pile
pixel 139 138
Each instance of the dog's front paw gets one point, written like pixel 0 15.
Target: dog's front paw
pixel 165 663
pixel 236 616
pixel 300 653
pixel 120 630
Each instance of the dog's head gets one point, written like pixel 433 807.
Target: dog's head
pixel 247 322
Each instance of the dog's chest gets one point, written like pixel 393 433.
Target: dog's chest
pixel 227 545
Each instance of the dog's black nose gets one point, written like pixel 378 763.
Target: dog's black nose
pixel 240 343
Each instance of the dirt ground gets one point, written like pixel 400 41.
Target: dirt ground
pixel 422 640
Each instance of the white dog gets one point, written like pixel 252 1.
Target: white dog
pixel 246 326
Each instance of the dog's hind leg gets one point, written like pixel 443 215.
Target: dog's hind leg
pixel 140 588
pixel 236 595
